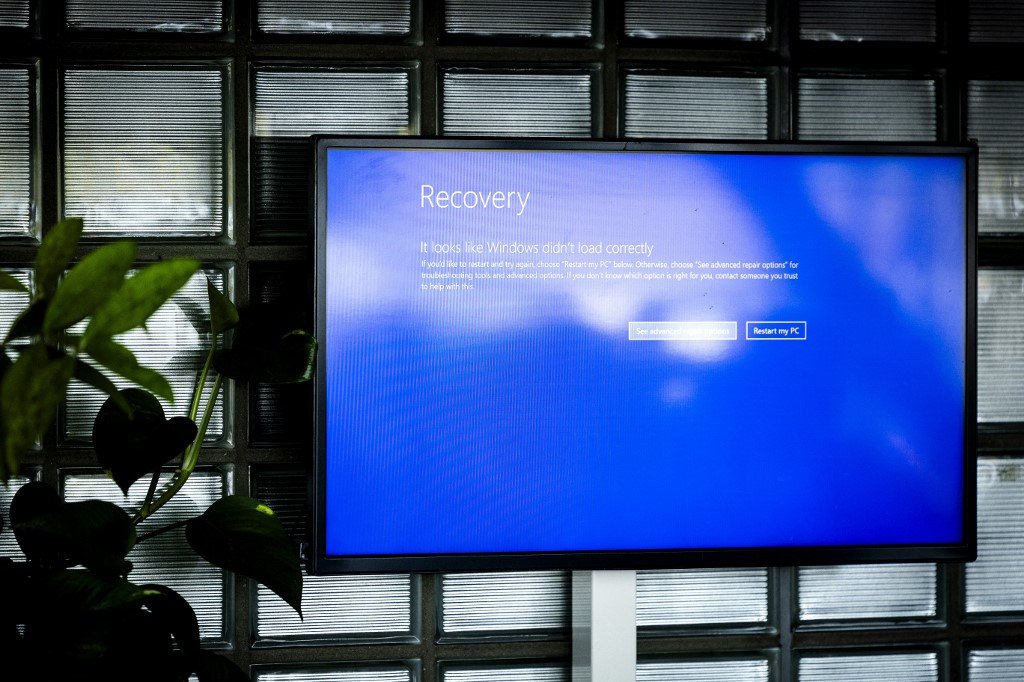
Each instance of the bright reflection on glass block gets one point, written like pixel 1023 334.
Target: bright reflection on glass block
pixel 373 17
pixel 168 559
pixel 696 19
pixel 995 582
pixel 8 545
pixel 174 342
pixel 877 20
pixel 995 118
pixel 504 602
pixel 15 152
pixel 915 667
pixel 541 18
pixel 867 591
pixel 353 674
pixel 756 670
pixel 13 302
pixel 522 673
pixel 701 596
pixel 1000 345
pixel 337 608
pixel 144 151
pixel 167 16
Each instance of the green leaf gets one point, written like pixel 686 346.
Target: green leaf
pixel 33 500
pixel 242 535
pixel 121 360
pixel 55 253
pixel 88 284
pixel 85 591
pixel 131 445
pixel 223 314
pixel 9 282
pixel 93 533
pixel 288 359
pixel 139 297
pixel 32 390
pixel 29 322
pixel 175 615
pixel 211 667
pixel 88 374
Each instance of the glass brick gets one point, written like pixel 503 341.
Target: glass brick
pixel 701 597
pixel 174 342
pixel 371 17
pixel 857 109
pixel 995 582
pixel 697 19
pixel 15 152
pixel 515 602
pixel 165 16
pixel 910 667
pixel 144 151
pixel 517 104
pixel 8 544
pixel 536 18
pixel 877 20
pixel 338 608
pixel 14 13
pixel 995 118
pixel 887 591
pixel 168 559
pixel 1000 345
pixel 709 670
pixel 696 107
pixel 995 21
pixel 995 665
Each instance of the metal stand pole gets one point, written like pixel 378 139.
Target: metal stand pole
pixel 604 626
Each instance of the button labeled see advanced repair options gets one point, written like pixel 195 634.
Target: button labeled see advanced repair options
pixel 776 331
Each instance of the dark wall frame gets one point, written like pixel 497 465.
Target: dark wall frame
pixel 46 45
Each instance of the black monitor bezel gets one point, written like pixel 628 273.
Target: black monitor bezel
pixel 321 563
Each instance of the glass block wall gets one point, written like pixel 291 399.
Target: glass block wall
pixel 184 125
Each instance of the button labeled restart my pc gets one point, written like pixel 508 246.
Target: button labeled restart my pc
pixel 776 331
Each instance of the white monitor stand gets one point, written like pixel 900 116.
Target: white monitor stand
pixel 604 626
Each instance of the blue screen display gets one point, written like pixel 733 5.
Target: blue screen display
pixel 531 351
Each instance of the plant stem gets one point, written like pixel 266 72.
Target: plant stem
pixel 152 491
pixel 160 531
pixel 198 393
pixel 191 454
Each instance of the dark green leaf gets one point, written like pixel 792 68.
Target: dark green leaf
pixel 139 297
pixel 32 390
pixel 121 360
pixel 93 533
pixel 88 374
pixel 85 591
pixel 288 359
pixel 34 499
pixel 55 253
pixel 176 616
pixel 29 322
pixel 88 284
pixel 242 535
pixel 130 446
pixel 9 282
pixel 223 314
pixel 211 667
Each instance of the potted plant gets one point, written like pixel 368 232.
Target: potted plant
pixel 70 610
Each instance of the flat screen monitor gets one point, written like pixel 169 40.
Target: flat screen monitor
pixel 587 355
